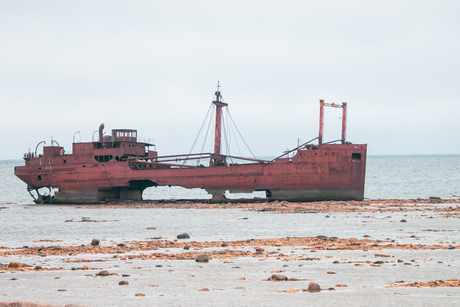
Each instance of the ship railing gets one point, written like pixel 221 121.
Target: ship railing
pixel 332 142
pixel 140 164
pixel 200 156
pixel 287 152
pixel 29 155
pixel 146 140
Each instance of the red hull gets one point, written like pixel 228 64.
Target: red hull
pixel 324 172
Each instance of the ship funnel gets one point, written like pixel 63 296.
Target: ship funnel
pixel 101 129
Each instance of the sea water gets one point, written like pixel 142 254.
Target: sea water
pixel 387 177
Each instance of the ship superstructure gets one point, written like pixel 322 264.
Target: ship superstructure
pixel 120 167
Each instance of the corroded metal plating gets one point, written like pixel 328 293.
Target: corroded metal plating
pixel 120 167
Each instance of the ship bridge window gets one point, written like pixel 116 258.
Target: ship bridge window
pixel 105 158
pixel 356 157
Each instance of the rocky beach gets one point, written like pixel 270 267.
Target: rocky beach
pixel 322 253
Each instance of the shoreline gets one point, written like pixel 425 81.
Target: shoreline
pixel 417 261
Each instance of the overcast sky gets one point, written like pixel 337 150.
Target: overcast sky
pixel 67 66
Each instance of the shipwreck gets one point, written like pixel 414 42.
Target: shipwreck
pixel 120 166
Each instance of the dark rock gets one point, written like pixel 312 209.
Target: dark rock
pixel 123 283
pixel 321 237
pixel 186 247
pixel 403 221
pixel 183 236
pixel 18 265
pixel 224 245
pixel 151 228
pixel 103 273
pixel 259 250
pixel 314 287
pixel 95 242
pixel 14 265
pixel 202 258
pixel 278 277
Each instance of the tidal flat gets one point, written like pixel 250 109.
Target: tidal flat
pixel 384 252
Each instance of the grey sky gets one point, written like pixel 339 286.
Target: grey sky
pixel 67 66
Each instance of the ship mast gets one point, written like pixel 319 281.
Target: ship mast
pixel 219 105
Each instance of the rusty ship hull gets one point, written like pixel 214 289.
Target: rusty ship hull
pixel 328 172
pixel 119 167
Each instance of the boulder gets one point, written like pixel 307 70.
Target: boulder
pixel 103 273
pixel 202 258
pixel 314 287
pixel 15 265
pixel 95 242
pixel 278 277
pixel 183 236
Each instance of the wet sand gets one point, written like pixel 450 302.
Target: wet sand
pixel 358 270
